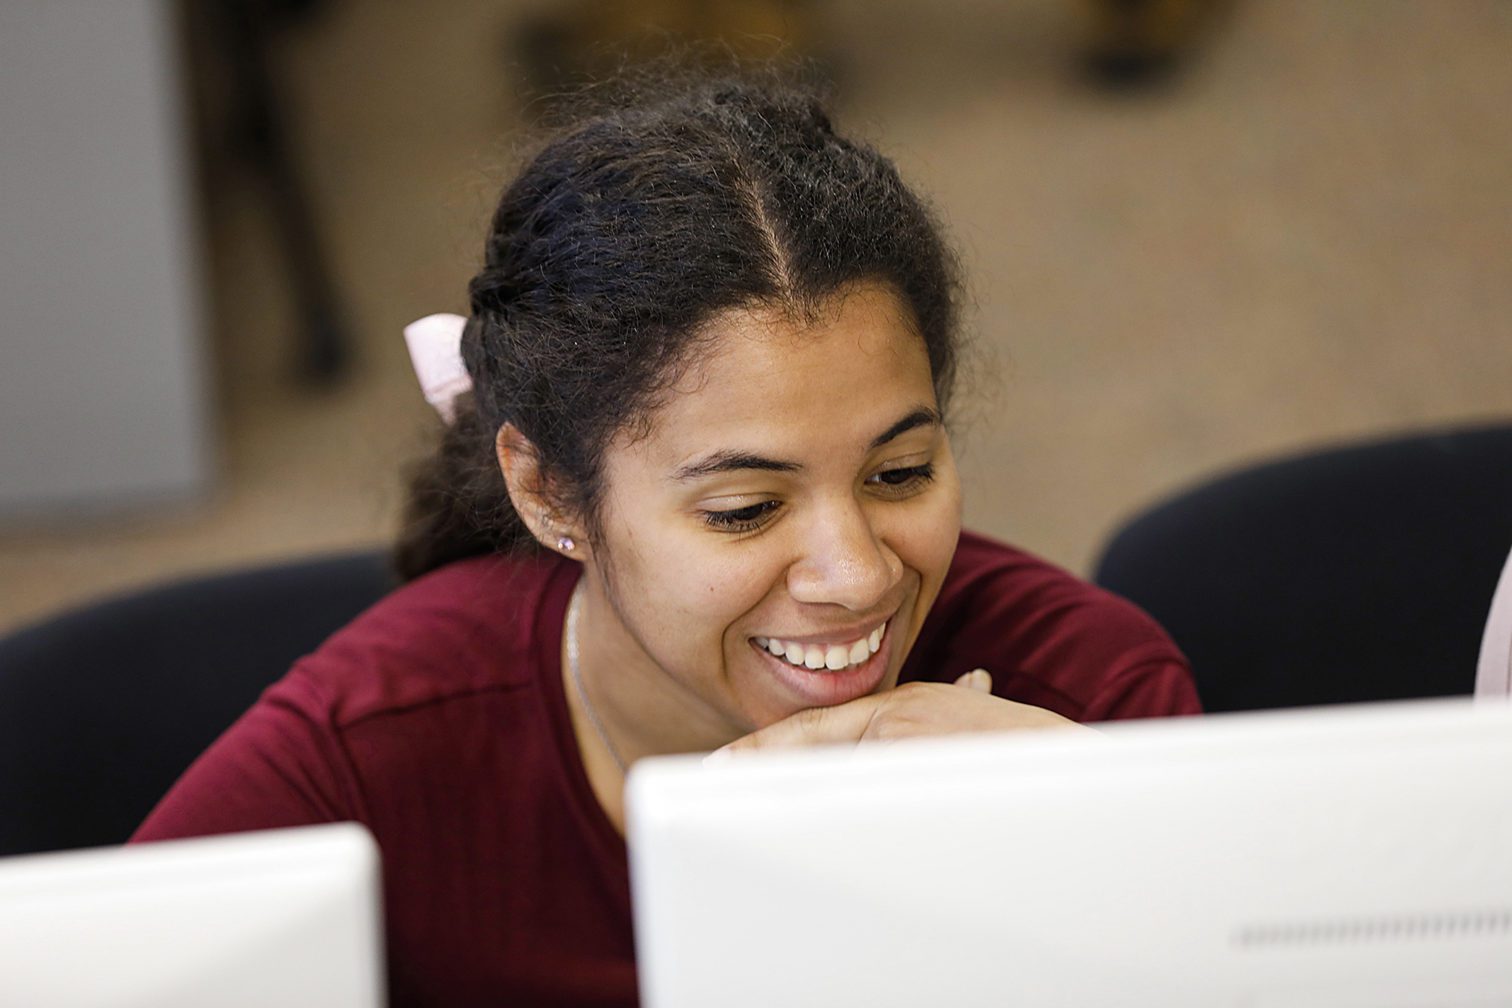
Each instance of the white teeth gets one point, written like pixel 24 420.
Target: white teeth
pixel 833 657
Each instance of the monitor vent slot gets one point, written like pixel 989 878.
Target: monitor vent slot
pixel 1403 928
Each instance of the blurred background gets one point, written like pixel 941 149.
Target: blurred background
pixel 1198 234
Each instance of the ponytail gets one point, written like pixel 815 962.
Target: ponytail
pixel 458 505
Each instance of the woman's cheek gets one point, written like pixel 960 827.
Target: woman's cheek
pixel 932 543
pixel 929 534
pixel 728 589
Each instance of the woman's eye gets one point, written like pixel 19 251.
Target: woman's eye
pixel 740 519
pixel 906 478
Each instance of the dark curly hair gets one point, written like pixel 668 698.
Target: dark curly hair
pixel 619 240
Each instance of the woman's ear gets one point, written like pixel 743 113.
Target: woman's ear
pixel 531 496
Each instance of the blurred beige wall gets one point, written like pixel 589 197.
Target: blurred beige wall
pixel 1304 238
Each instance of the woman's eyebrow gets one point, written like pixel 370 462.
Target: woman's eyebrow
pixel 921 417
pixel 731 461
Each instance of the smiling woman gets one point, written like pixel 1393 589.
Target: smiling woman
pixel 801 475
pixel 695 493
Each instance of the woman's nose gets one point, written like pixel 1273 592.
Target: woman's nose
pixel 844 562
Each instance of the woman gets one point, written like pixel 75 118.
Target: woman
pixel 700 496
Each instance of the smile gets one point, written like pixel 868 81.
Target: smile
pixel 833 657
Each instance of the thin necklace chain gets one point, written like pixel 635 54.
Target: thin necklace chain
pixel 577 678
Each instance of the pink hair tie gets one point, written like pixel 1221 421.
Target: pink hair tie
pixel 435 349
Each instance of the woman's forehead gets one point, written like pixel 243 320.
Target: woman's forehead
pixel 769 381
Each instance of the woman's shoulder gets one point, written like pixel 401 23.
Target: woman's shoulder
pixel 1005 578
pixel 469 628
pixel 1037 625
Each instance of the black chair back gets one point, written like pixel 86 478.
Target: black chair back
pixel 103 708
pixel 1354 574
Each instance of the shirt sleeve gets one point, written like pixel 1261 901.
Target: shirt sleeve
pixel 280 764
pixel 1161 688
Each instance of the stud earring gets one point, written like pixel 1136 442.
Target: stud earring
pixel 563 543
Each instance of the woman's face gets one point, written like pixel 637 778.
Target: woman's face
pixel 795 493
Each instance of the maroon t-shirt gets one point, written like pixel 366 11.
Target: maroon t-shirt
pixel 438 719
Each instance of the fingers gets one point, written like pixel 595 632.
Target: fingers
pixel 977 679
pixel 846 722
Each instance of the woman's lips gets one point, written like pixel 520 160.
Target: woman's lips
pixel 824 686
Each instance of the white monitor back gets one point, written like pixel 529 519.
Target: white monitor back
pixel 284 917
pixel 1344 857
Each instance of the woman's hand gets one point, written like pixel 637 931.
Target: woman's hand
pixel 912 710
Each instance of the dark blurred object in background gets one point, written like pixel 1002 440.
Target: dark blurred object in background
pixel 589 39
pixel 239 36
pixel 1136 43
